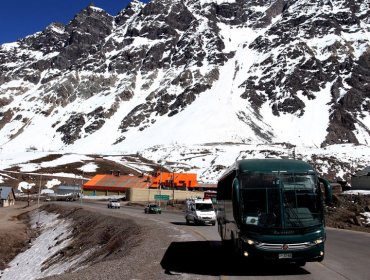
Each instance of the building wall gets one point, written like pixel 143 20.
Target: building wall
pixel 6 202
pixel 90 192
pixel 360 183
pixel 179 180
pixel 143 195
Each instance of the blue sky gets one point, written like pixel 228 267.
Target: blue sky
pixel 19 18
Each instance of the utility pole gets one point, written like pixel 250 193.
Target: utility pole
pixel 173 188
pixel 38 197
pixel 82 184
pixel 160 184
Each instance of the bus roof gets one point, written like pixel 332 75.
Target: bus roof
pixel 269 165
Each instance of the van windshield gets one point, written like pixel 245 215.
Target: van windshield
pixel 203 206
pixel 272 200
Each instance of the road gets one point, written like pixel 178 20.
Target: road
pixel 347 254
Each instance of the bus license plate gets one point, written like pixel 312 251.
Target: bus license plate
pixel 285 256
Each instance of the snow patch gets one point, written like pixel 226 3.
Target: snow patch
pixel 55 235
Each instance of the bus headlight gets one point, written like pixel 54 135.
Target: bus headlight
pixel 250 241
pixel 318 241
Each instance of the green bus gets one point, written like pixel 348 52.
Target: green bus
pixel 273 209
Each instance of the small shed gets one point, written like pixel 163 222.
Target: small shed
pixel 68 190
pixel 361 180
pixel 7 196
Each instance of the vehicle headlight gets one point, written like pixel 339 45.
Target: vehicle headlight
pixel 250 241
pixel 318 241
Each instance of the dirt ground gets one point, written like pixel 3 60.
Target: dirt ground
pixel 347 212
pixel 15 231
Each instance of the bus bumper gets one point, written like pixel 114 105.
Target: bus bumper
pixel 312 254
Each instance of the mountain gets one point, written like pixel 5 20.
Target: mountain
pixel 191 72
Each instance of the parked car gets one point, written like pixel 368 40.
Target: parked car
pixel 152 208
pixel 114 203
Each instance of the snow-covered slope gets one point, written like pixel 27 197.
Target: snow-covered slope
pixel 190 73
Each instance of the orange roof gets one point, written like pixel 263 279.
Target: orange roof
pixel 116 183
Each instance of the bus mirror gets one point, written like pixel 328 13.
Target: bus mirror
pixel 236 200
pixel 328 191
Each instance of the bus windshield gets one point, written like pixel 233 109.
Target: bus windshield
pixel 281 200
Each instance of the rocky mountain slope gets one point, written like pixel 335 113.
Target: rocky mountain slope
pixel 193 85
pixel 190 71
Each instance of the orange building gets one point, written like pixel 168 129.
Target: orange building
pixel 174 180
pixel 107 184
pixel 114 184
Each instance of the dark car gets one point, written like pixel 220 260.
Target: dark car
pixel 152 208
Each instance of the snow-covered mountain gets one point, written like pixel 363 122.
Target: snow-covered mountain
pixel 189 72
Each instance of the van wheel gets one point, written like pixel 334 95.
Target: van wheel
pixel 187 222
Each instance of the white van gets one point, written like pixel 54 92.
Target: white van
pixel 200 211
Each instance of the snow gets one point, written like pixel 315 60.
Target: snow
pixel 234 36
pixel 235 120
pixel 367 215
pixel 51 183
pixel 97 9
pixel 57 29
pixel 65 159
pixel 357 192
pixel 299 130
pixel 90 167
pixel 195 158
pixel 55 234
pixel 217 115
pixel 218 2
pixel 209 135
pixel 9 46
pixel 25 186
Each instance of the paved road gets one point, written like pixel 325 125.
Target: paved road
pixel 347 254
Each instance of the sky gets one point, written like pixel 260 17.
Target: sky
pixel 20 18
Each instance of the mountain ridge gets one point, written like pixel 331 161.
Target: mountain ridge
pixel 191 72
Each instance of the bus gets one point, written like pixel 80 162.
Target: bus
pixel 273 209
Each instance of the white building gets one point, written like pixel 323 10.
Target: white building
pixel 361 180
pixel 7 196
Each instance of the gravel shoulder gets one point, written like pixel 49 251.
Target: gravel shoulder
pixel 15 231
pixel 124 248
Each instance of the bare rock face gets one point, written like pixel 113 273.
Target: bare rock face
pixel 72 128
pixel 282 80
pixel 347 113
